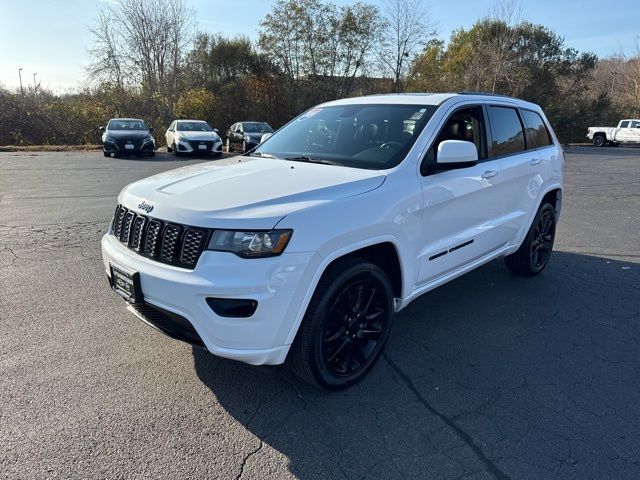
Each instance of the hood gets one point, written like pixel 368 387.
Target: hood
pixel 245 192
pixel 127 134
pixel 199 135
pixel 256 137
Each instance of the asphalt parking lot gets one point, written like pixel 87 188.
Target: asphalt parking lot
pixel 488 377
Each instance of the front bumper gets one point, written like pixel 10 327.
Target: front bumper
pixel 278 284
pixel 120 147
pixel 193 146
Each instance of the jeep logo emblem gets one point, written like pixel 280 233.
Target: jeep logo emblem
pixel 146 207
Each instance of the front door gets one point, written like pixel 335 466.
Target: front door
pixel 462 207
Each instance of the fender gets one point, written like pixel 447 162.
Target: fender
pixel 326 261
pixel 532 214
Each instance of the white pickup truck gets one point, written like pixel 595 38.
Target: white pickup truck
pixel 627 131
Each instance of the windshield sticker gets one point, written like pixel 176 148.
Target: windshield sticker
pixel 309 114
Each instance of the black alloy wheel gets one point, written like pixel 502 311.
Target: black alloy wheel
pixel 353 327
pixel 346 325
pixel 535 251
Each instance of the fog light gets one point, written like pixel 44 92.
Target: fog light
pixel 232 307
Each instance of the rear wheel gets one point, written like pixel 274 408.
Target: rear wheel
pixel 599 140
pixel 534 253
pixel 345 327
pixel 106 154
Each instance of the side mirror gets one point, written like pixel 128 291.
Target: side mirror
pixel 456 154
pixel 215 130
pixel 101 129
pixel 151 130
pixel 265 137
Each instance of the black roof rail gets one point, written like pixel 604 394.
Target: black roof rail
pixel 487 94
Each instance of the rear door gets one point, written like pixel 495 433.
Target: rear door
pixel 517 190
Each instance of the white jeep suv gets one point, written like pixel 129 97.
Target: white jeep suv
pixel 303 249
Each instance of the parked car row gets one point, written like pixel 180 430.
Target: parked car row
pixel 131 136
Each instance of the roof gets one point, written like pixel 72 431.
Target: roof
pixel 134 119
pixel 189 120
pixel 424 99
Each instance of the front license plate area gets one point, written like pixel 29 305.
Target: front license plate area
pixel 128 146
pixel 126 283
pixel 202 147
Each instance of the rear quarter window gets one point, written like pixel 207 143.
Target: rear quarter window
pixel 507 133
pixel 535 130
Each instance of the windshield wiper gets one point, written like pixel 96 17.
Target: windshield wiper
pixel 305 158
pixel 261 155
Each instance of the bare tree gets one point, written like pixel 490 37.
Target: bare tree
pixel 407 28
pixel 142 42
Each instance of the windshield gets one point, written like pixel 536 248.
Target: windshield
pixel 127 125
pixel 193 127
pixel 375 137
pixel 257 128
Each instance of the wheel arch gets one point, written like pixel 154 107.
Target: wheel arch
pixel 383 251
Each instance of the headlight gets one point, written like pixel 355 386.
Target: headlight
pixel 250 244
pixel 149 139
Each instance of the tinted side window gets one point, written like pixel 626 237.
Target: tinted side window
pixel 535 129
pixel 624 124
pixel 635 124
pixel 508 137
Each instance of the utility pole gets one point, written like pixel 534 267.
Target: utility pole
pixel 20 75
pixel 35 87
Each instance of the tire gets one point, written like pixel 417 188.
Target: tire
pixel 106 154
pixel 169 149
pixel 534 253
pixel 151 154
pixel 345 327
pixel 599 140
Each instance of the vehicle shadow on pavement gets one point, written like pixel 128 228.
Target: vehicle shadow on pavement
pixel 489 376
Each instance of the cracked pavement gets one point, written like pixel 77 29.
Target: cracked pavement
pixel 488 377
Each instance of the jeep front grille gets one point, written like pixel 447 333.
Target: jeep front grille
pixel 165 242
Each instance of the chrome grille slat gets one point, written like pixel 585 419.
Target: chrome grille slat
pixel 164 242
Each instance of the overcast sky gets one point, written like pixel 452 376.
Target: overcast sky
pixel 50 37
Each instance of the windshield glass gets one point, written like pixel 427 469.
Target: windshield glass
pixel 127 125
pixel 375 137
pixel 257 128
pixel 193 127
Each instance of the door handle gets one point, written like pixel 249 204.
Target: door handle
pixel 489 173
pixel 535 161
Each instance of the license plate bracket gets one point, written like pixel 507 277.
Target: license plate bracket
pixel 202 147
pixel 126 283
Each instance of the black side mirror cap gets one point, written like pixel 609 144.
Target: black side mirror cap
pixel 151 130
pixel 101 129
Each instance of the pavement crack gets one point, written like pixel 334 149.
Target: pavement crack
pixel 247 457
pixel 464 436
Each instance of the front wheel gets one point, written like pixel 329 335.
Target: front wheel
pixel 345 327
pixel 535 251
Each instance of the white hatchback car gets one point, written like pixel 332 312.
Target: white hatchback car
pixel 193 136
pixel 303 249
